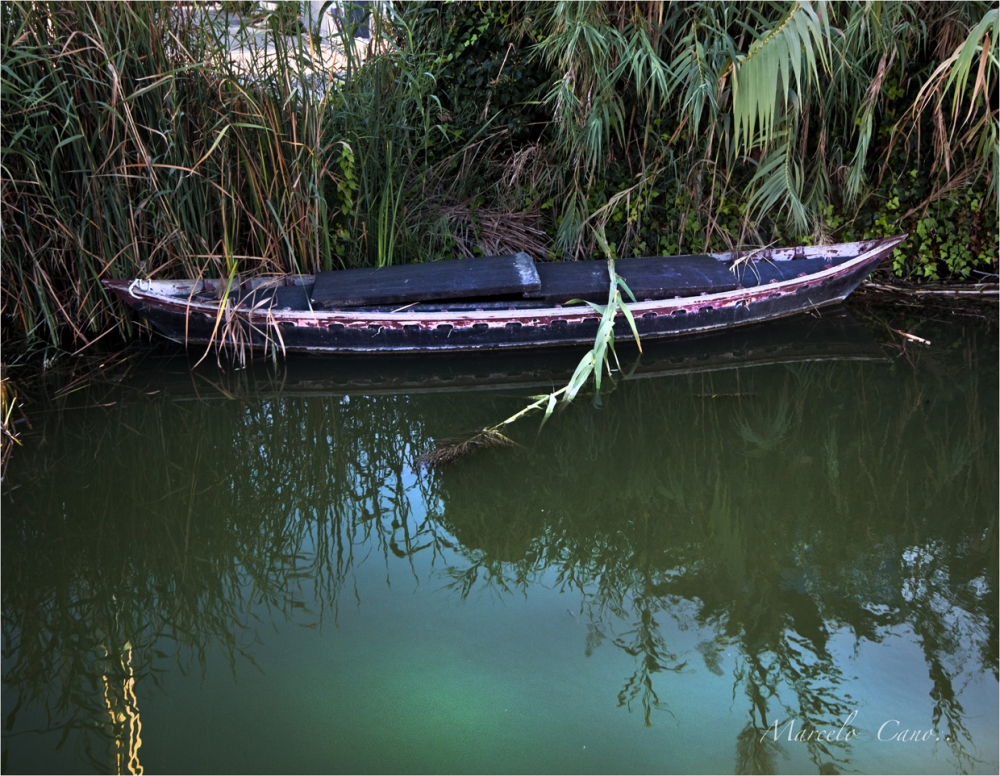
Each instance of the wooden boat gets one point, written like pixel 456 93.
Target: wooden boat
pixel 501 301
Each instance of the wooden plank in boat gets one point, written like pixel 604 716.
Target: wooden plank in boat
pixel 650 278
pixel 761 272
pixel 664 277
pixel 487 277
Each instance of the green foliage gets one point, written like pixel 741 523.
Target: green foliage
pixel 819 101
pixel 953 237
pixel 777 58
pixel 483 68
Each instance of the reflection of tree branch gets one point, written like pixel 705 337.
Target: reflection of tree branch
pixel 754 752
pixel 947 707
pixel 652 656
pixel 818 708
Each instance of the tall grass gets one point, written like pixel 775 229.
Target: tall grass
pixel 129 150
pixel 135 145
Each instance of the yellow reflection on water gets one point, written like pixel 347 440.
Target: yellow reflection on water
pixel 123 707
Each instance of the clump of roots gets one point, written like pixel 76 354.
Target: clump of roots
pixel 458 448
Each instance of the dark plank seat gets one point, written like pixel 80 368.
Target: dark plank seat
pixel 663 277
pixel 485 278
pixel 648 278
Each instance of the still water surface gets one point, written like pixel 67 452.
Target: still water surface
pixel 749 561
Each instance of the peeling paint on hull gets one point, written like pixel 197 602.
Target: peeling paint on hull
pixel 173 308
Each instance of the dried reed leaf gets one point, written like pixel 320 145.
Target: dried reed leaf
pixel 492 231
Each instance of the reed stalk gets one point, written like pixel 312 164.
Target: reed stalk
pixel 592 365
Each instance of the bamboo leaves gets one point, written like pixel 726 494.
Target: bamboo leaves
pixel 778 185
pixel 583 48
pixel 769 69
pixel 703 54
pixel 599 60
pixel 596 360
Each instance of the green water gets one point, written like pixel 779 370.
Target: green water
pixel 726 564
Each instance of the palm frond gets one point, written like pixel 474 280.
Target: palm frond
pixel 982 40
pixel 951 79
pixel 774 62
pixel 777 186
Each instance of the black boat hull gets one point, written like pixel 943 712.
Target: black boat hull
pixel 175 311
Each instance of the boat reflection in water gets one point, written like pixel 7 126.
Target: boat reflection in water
pixel 719 570
pixel 832 336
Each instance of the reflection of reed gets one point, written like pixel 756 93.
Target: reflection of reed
pixel 765 433
pixel 754 752
pixel 215 515
pixel 222 514
pixel 779 533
